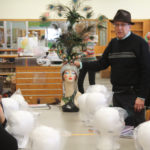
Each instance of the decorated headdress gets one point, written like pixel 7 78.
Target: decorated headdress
pixel 70 44
pixel 70 67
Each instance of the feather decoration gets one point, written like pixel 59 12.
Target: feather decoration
pixel 87 8
pixel 102 18
pixel 89 15
pixel 51 6
pixel 75 1
pixel 102 22
pixel 68 42
pixel 43 18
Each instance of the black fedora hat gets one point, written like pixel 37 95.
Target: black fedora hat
pixel 123 16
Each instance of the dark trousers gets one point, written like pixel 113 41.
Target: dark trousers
pixel 147 101
pixel 82 74
pixel 127 101
pixel 7 141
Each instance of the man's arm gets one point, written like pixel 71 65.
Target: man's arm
pixel 143 57
pixel 98 65
pixel 143 60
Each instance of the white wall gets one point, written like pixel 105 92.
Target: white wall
pixel 32 9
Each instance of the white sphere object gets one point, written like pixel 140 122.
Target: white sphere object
pixel 82 106
pixel 108 119
pixel 94 101
pixel 9 105
pixel 45 138
pixel 97 88
pixel 21 123
pixel 143 135
pixel 20 100
pixel 109 124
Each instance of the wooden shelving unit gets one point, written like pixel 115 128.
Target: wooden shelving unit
pixel 8 68
pixel 39 84
pixel 39 32
pixel 138 28
pixel 8 53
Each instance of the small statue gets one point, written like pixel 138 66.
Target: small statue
pixel 69 100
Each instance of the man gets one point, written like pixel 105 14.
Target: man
pixel 129 58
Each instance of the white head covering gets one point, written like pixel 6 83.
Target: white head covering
pixel 45 138
pixel 9 105
pixel 99 88
pixel 70 67
pixel 17 96
pixel 108 119
pixel 82 106
pixel 20 125
pixel 109 123
pixel 142 136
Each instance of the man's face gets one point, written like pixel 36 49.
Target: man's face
pixel 121 29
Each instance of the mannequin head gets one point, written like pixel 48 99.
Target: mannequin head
pixel 69 100
pixel 142 136
pixel 69 76
pixel 69 73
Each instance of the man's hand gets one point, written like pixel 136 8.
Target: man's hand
pixel 139 104
pixel 77 63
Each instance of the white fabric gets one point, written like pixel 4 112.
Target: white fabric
pixel 142 136
pixel 109 124
pixel 45 138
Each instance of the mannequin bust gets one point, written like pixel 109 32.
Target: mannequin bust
pixel 142 136
pixel 69 100
pixel 109 124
